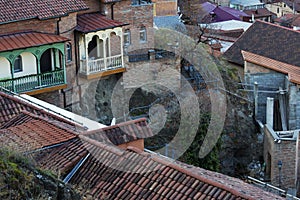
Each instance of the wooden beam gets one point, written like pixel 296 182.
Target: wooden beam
pixel 105 73
pixel 47 89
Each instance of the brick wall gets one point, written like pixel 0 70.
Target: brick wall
pixel 45 26
pixel 136 17
pixel 94 6
pixel 286 152
pixel 165 7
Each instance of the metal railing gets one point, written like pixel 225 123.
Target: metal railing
pixel 34 81
pixel 101 64
pixel 138 57
pixel 158 54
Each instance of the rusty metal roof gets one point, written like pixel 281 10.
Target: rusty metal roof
pixel 18 10
pixel 95 22
pixel 28 39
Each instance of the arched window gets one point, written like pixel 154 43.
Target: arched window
pixel 143 34
pixel 69 52
pixel 127 39
pixel 18 65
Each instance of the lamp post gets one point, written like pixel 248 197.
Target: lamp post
pixel 279 168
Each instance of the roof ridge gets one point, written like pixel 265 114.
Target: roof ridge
pixel 276 25
pixel 111 148
pixel 122 124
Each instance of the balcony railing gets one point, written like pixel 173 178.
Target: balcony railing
pixel 100 65
pixel 34 81
pixel 158 54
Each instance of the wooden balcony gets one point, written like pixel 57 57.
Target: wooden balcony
pixel 95 68
pixel 36 83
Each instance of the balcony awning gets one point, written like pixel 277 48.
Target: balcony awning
pixel 23 40
pixel 92 22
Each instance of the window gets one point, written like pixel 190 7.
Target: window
pixel 143 35
pixel 127 39
pixel 69 52
pixel 18 64
pixel 277 10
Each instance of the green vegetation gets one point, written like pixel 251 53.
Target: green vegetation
pixel 17 177
pixel 20 179
pixel 191 156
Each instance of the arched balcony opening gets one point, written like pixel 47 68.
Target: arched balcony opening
pixel 101 52
pixel 51 60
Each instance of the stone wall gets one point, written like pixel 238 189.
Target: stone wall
pixel 286 151
pixel 54 97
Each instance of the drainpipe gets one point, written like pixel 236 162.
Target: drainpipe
pixel 112 10
pixel 57 26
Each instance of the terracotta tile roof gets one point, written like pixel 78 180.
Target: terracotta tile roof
pixel 292 71
pixel 18 10
pixel 12 108
pixel 91 22
pixel 34 133
pixel 269 40
pixel 132 174
pixel 260 12
pixel 122 133
pixel 110 1
pixel 289 19
pixel 28 39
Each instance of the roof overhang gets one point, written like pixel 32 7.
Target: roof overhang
pixel 93 22
pixel 28 39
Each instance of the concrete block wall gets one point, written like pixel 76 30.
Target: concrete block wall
pixel 266 82
pixel 294 107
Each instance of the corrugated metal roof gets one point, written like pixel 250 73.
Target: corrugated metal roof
pixel 94 22
pixel 27 39
pixel 18 10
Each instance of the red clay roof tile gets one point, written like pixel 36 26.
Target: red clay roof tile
pixel 119 184
pixel 18 10
pixel 34 134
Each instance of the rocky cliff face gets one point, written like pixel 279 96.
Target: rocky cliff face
pixel 22 180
